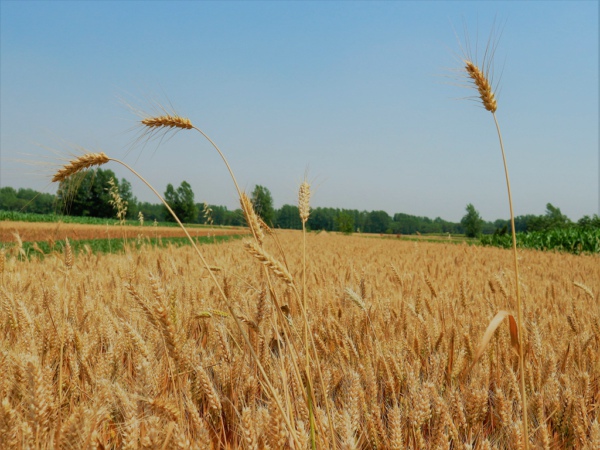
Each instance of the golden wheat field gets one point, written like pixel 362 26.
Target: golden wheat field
pixel 139 350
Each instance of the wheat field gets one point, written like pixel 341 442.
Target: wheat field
pixel 138 350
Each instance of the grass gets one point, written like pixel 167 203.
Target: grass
pixel 16 216
pixel 42 249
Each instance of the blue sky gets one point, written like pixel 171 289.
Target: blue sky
pixel 364 97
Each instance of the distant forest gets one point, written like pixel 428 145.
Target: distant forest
pixel 94 199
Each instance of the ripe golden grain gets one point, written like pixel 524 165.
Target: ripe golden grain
pixel 304 201
pixel 78 164
pixel 483 85
pixel 168 121
pixel 405 393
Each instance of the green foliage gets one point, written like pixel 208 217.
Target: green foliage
pixel 407 224
pixel 288 217
pixel 262 201
pixel 152 211
pixel 88 194
pixel 322 219
pixel 344 222
pixel 181 202
pixel 17 216
pixel 223 216
pixel 553 219
pixel 377 222
pixel 573 240
pixel 472 222
pixel 589 223
pixel 26 200
pixel 118 245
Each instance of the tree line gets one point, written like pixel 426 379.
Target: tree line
pixel 93 194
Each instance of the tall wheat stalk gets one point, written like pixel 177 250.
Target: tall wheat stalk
pixel 481 82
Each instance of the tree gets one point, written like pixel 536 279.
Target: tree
pixel 588 222
pixel 344 222
pixel 262 201
pixel 181 201
pixel 152 211
pixel 8 198
pixel 87 194
pixel 126 194
pixel 377 222
pixel 322 219
pixel 472 222
pixel 288 217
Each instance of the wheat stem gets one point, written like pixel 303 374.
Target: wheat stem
pixel 519 307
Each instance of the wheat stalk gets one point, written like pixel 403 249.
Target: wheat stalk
pixel 482 84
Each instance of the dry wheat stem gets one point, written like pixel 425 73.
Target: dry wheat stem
pixel 519 306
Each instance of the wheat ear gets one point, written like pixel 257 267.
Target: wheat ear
pixel 304 201
pixel 275 266
pixel 483 85
pixel 252 218
pixel 168 121
pixel 78 164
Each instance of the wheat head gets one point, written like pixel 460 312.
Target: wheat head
pixel 168 121
pixel 483 86
pixel 78 164
pixel 304 201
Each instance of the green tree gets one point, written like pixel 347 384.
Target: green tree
pixel 288 217
pixel 181 201
pixel 8 199
pixel 553 219
pixel 588 222
pixel 87 194
pixel 262 201
pixel 472 222
pixel 377 222
pixel 152 211
pixel 322 219
pixel 126 194
pixel 345 222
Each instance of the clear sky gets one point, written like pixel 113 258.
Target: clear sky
pixel 364 97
